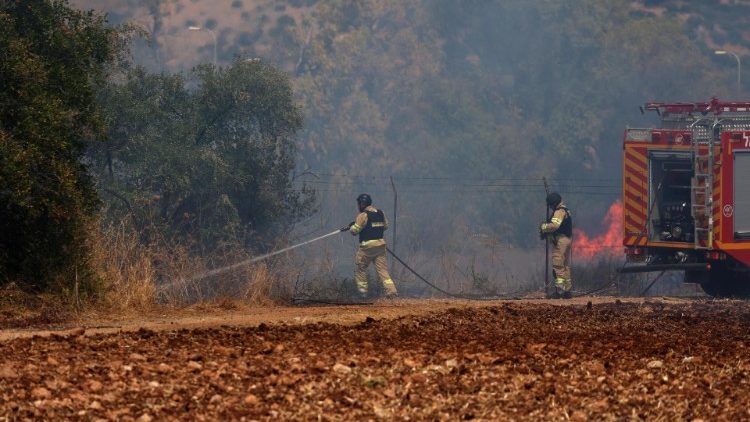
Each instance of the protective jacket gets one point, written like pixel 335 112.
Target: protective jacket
pixel 561 222
pixel 370 225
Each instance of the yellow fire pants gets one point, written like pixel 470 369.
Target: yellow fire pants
pixel 561 263
pixel 366 255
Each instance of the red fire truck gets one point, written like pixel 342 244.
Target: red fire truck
pixel 686 195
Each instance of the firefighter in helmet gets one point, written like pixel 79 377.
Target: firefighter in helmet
pixel 370 224
pixel 560 231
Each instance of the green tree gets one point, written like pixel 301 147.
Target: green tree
pixel 210 164
pixel 52 59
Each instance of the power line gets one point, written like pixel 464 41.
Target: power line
pixel 402 178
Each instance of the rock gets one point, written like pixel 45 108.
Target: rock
pixel 578 416
pixel 451 363
pixel 411 363
pixel 52 361
pixel 138 357
pixel 419 378
pixel 216 398
pixel 145 418
pixel 655 364
pixel 7 372
pixel 341 369
pixel 95 405
pixel 193 365
pixel 78 332
pixel 163 368
pixel 40 393
pixel 251 400
pixel 692 359
pixel 380 412
pixel 94 386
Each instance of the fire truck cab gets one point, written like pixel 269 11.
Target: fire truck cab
pixel 686 195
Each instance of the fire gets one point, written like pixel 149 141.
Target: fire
pixel 606 244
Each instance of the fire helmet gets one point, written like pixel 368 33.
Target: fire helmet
pixel 553 199
pixel 364 200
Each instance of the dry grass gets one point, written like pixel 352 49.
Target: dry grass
pixel 139 277
pixel 126 268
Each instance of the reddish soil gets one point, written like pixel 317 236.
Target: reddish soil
pixel 656 360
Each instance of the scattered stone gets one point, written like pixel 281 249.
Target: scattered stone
pixel 95 405
pixel 145 418
pixel 655 364
pixel 193 365
pixel 7 372
pixel 419 378
pixel 163 368
pixel 94 386
pixel 78 332
pixel 40 393
pixel 138 357
pixel 251 400
pixel 341 369
pixel 215 398
pixel 578 416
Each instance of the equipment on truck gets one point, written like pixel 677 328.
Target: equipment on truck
pixel 686 198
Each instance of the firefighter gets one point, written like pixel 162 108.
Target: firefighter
pixel 370 224
pixel 560 231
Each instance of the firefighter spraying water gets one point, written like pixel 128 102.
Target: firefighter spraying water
pixel 370 225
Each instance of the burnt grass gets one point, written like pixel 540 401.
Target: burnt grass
pixel 511 361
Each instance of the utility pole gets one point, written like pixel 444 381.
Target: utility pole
pixel 739 68
pixel 213 35
pixel 546 241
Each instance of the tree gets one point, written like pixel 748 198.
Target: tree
pixel 52 59
pixel 209 165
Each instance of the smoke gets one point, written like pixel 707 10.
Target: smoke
pixel 608 243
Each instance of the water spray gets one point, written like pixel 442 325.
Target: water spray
pixel 249 261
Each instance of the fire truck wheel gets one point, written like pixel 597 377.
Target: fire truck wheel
pixel 726 282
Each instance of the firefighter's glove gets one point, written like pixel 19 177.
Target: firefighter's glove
pixel 542 234
pixel 347 227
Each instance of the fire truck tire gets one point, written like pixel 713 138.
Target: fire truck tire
pixel 726 282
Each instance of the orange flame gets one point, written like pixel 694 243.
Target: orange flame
pixel 608 243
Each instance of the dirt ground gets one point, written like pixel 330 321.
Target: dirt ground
pixel 586 359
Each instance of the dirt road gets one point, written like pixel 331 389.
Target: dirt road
pixel 661 359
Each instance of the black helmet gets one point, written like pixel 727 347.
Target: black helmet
pixel 364 200
pixel 553 199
